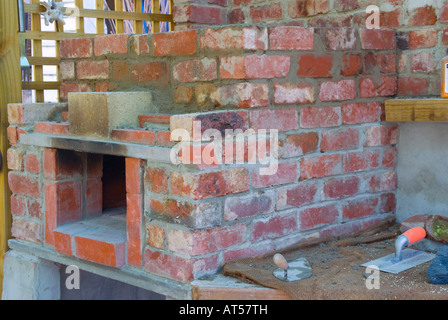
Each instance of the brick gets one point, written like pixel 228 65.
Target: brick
pixel 34 209
pixel 134 216
pixel 65 198
pixel 274 227
pixel 18 205
pixel 76 48
pixel 228 38
pixel 247 206
pixel 307 8
pixel 381 135
pixel 67 87
pixel 62 164
pixel 318 217
pixel 93 197
pixel 369 88
pixel 388 203
pixel 133 175
pixel 286 173
pixel 444 14
pixel 346 5
pixel 204 69
pixel 202 92
pixel 320 166
pixel 339 139
pixel 250 251
pixel 236 16
pixel 271 11
pixel 156 236
pixel 377 39
pixel 278 119
pixel 140 136
pixel 381 182
pixel 360 112
pixel 356 209
pixel 232 67
pixel 386 62
pixel 155 71
pixel 109 251
pixel 296 196
pixel 12 135
pixel 412 86
pixel 67 70
pixel 29 113
pixel 24 185
pixel 178 268
pixel 156 180
pixel 211 184
pixel 27 230
pixel 32 163
pixel 390 157
pixel 423 38
pixel 295 145
pixel 201 242
pixel 315 66
pixel 291 38
pixel 119 71
pixel 337 90
pixel 343 39
pixel 219 120
pixel 423 62
pixel 337 188
pixel 92 70
pixel 241 95
pixel 164 138
pixel 267 66
pixel 199 14
pixel 182 94
pixel 14 159
pixel 289 93
pixel 110 44
pixel 422 16
pixel 315 117
pixel 174 43
pixel 55 128
pixel 360 161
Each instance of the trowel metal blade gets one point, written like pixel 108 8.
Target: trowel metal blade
pixel 297 270
pixel 409 259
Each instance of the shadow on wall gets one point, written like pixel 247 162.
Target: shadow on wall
pixel 95 287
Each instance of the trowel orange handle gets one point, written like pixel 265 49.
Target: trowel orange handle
pixel 415 234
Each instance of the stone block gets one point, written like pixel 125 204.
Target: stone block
pixel 96 114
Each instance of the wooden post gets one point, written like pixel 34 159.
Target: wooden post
pixel 37 52
pixel 170 11
pixel 10 92
pixel 155 9
pixel 119 23
pixel 99 5
pixel 138 26
pixel 79 20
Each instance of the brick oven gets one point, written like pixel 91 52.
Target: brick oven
pixel 115 180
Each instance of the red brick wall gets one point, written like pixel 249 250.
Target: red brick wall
pixel 323 89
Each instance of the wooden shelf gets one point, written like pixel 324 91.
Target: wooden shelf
pixel 417 110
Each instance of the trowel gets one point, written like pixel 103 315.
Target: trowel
pixel 291 271
pixel 403 259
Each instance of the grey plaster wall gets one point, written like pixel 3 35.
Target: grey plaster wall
pixel 422 169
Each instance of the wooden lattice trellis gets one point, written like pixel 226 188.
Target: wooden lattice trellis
pixel 128 16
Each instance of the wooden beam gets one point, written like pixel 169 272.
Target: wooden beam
pixel 48 35
pixel 41 85
pixel 37 51
pixel 43 61
pixel 102 14
pixel 10 92
pixel 99 5
pixel 155 10
pixel 417 110
pixel 119 23
pixel 138 25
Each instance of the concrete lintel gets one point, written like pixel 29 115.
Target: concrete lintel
pixel 126 274
pixel 132 150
